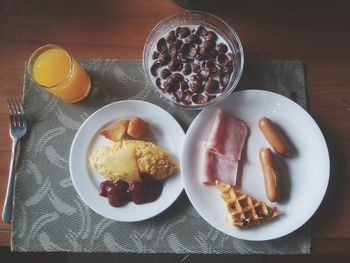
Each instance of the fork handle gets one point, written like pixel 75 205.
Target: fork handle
pixel 7 210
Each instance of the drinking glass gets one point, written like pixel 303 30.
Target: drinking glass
pixel 56 71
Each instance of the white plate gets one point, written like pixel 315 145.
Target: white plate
pixel 303 176
pixel 164 131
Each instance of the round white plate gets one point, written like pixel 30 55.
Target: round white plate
pixel 164 131
pixel 303 176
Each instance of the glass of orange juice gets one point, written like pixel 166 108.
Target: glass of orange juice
pixel 52 68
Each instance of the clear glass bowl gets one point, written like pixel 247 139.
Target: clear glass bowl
pixel 196 18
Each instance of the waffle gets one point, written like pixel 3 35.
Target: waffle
pixel 242 209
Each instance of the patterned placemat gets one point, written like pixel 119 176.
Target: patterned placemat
pixel 50 216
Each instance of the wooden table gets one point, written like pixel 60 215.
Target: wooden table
pixel 317 33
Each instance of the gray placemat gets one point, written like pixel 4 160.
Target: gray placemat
pixel 50 216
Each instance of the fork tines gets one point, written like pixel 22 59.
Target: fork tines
pixel 16 111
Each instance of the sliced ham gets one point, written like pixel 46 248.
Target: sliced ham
pixel 217 167
pixel 222 153
pixel 227 136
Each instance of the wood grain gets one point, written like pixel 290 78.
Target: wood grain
pixel 5 236
pixel 316 32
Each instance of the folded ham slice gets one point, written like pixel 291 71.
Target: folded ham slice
pixel 227 136
pixel 222 152
pixel 217 167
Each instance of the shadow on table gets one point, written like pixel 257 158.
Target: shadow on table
pixel 7 256
pixel 330 209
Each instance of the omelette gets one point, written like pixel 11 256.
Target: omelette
pixel 127 159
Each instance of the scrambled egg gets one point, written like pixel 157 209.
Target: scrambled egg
pixel 126 159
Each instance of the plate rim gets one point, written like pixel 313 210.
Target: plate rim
pixel 324 144
pixel 180 185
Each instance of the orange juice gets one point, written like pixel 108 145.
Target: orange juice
pixel 57 72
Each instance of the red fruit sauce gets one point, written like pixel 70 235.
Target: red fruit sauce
pixel 120 192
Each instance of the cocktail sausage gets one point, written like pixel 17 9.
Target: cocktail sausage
pixel 270 174
pixel 273 136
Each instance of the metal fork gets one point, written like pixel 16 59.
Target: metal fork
pixel 18 128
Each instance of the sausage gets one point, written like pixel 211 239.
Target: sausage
pixel 273 136
pixel 270 174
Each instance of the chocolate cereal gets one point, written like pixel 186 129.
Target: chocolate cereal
pixel 192 64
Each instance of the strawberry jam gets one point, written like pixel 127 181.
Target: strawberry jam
pixel 120 192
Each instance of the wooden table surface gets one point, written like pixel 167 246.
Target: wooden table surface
pixel 317 32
